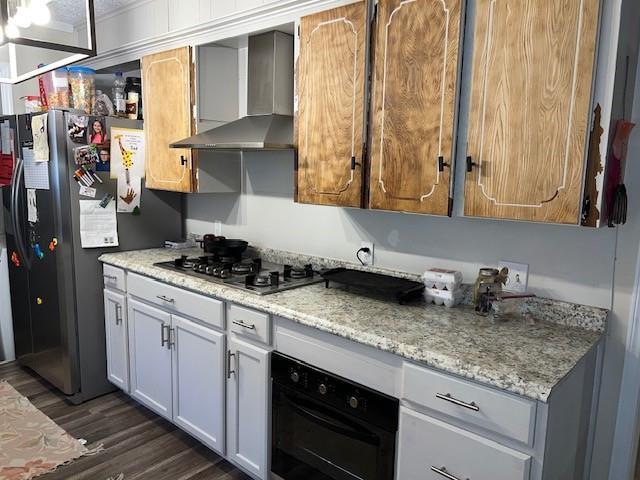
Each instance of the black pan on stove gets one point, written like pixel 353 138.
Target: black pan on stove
pixel 228 247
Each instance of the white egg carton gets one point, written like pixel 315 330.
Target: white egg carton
pixel 442 279
pixel 449 298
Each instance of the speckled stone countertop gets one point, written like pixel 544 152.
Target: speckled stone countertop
pixel 526 358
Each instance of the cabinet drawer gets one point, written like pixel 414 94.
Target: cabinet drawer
pixel 502 413
pixel 114 278
pixel 433 450
pixel 249 323
pixel 177 300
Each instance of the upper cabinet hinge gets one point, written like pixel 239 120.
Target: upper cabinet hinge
pixel 298 30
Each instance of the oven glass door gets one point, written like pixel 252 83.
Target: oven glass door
pixel 314 441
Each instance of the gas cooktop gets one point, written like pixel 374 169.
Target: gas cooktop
pixel 249 274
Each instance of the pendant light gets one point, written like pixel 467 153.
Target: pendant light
pixel 17 16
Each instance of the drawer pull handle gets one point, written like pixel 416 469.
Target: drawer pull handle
pixel 448 398
pixel 443 471
pixel 110 277
pixel 165 299
pixel 240 323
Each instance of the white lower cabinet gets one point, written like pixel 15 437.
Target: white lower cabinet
pixel 115 326
pixel 248 407
pixel 150 357
pixel 198 381
pixel 433 450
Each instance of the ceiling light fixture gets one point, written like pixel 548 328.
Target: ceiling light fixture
pixel 15 33
pixel 39 12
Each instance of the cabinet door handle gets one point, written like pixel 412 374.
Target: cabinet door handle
pixel 171 337
pixel 118 314
pixel 183 160
pixel 442 164
pixel 448 398
pixel 443 471
pixel 241 323
pixel 229 371
pixel 110 277
pixel 165 299
pixel 470 164
pixel 163 340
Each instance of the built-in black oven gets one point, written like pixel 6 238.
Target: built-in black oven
pixel 328 428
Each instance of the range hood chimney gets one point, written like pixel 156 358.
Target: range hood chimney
pixel 269 121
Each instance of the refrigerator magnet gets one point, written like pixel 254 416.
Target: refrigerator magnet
pixel 53 244
pixel 15 259
pixel 38 251
pixel 105 200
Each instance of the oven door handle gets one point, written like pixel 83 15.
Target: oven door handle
pixel 346 428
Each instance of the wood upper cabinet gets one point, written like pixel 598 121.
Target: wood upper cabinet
pixel 168 101
pixel 533 66
pixel 417 46
pixel 330 89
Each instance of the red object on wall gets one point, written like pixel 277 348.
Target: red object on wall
pixel 6 169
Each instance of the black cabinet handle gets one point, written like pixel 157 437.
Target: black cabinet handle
pixel 442 164
pixel 353 163
pixel 470 164
pixel 183 160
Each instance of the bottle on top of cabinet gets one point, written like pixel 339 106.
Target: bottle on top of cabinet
pixel 118 94
pixel 133 92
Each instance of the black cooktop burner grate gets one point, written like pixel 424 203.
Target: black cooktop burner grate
pixel 399 289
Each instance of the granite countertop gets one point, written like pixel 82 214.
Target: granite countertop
pixel 525 358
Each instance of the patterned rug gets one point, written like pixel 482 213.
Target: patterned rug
pixel 30 442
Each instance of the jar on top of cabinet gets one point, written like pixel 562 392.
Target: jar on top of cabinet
pixel 82 88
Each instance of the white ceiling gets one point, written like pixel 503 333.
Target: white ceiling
pixel 72 12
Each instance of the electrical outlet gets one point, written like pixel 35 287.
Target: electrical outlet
pixel 366 258
pixel 518 276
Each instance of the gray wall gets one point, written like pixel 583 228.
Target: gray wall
pixel 568 263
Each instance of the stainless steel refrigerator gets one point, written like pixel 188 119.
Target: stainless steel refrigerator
pixel 57 300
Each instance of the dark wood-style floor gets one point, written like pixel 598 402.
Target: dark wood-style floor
pixel 137 442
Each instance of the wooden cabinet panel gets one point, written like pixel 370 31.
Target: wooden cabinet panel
pixel 167 91
pixel 413 104
pixel 530 97
pixel 330 83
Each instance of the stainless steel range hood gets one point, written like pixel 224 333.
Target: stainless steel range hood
pixel 269 123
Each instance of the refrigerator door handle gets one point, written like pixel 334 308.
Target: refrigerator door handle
pixel 15 215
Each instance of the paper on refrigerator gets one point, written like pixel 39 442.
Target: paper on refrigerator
pixel 40 134
pixel 127 152
pixel 129 193
pixel 98 226
pixel 6 137
pixel 32 206
pixel 36 174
